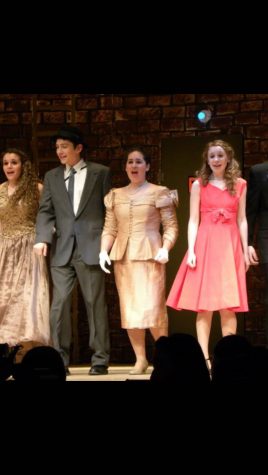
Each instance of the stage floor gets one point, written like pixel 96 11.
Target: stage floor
pixel 116 373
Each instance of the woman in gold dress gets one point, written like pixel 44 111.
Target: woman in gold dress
pixel 24 288
pixel 134 216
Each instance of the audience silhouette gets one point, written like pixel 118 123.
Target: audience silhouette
pixel 7 356
pixel 259 364
pixel 232 360
pixel 40 364
pixel 179 359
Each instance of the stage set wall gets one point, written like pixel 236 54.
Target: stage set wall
pixel 167 127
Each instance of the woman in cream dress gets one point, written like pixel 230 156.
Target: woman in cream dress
pixel 24 288
pixel 134 216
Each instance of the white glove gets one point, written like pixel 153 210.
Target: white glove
pixel 103 259
pixel 162 255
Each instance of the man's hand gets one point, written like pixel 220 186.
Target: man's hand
pixel 40 249
pixel 253 258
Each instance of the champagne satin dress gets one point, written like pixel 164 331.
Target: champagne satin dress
pixel 135 222
pixel 24 287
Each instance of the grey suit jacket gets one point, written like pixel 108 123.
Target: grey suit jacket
pixel 56 223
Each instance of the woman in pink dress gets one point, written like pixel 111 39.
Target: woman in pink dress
pixel 212 275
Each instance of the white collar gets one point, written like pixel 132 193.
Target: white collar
pixel 77 167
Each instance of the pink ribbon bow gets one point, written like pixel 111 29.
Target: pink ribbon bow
pixel 220 215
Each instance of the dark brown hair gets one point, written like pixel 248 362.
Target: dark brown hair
pixel 26 193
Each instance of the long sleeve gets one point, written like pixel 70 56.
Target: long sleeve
pixel 45 222
pixel 166 201
pixel 110 224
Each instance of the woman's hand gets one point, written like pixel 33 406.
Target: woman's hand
pixel 191 260
pixel 103 259
pixel 162 256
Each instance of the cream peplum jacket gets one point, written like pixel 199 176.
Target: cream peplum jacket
pixel 139 224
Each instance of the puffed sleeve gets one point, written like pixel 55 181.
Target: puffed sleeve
pixel 167 197
pixel 110 223
pixel 166 201
pixel 109 200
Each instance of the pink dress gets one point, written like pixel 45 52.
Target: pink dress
pixel 219 279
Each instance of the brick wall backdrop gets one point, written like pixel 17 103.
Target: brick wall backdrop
pixel 113 122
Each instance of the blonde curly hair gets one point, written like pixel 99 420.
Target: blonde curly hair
pixel 24 202
pixel 232 170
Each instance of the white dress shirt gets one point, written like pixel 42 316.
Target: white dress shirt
pixel 79 181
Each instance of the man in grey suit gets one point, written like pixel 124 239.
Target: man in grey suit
pixel 70 219
pixel 257 213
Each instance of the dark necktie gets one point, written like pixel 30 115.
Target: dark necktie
pixel 71 185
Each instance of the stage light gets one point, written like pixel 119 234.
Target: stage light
pixel 204 116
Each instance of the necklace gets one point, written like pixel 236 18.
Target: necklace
pixel 137 188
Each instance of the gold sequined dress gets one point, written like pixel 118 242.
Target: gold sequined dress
pixel 24 287
pixel 135 223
